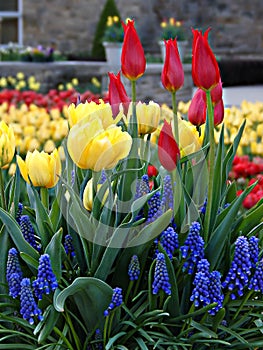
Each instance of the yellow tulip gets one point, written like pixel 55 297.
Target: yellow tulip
pixel 93 147
pixel 20 75
pixel 49 146
pixel 74 81
pixel 92 110
pixel 190 141
pixel 148 116
pixel 7 144
pixel 88 195
pixel 41 168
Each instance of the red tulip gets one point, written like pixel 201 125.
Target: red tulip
pixel 218 113
pixel 133 62
pixel 117 94
pixel 173 73
pixel 151 170
pixel 168 150
pixel 217 93
pixel 205 70
pixel 197 108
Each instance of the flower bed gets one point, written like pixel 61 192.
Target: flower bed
pixel 135 240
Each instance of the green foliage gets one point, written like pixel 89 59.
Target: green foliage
pixel 109 9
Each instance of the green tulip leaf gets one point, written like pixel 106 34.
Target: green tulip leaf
pixel 92 297
pixel 42 218
pixel 29 260
pixel 54 250
pixel 45 327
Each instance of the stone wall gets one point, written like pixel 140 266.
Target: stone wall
pixel 237 26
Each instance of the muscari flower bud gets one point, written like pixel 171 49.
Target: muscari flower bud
pixel 46 281
pixel 193 248
pixel 161 277
pixel 116 300
pixel 134 268
pixel 28 231
pixel 240 270
pixel 29 308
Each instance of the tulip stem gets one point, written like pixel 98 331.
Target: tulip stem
pixel 133 122
pixel 175 118
pixel 2 190
pixel 211 160
pixel 44 197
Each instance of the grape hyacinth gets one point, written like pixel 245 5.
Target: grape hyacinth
pixel 215 292
pixel 167 196
pixel 155 209
pixel 134 268
pixel 28 232
pixel 29 308
pixel 19 212
pixel 208 288
pixel 256 282
pixel 253 250
pixel 161 277
pixel 193 248
pixel 203 207
pixel 240 270
pixel 169 241
pixel 14 273
pixel 68 246
pixel 200 294
pixel 46 281
pixel 116 300
pixel 14 284
pixel 142 186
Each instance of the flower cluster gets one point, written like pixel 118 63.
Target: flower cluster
pixel 193 248
pixel 46 281
pixel 240 270
pixel 186 258
pixel 134 268
pixel 19 82
pixel 114 30
pixel 208 288
pixel 161 277
pixel 37 54
pixel 172 29
pixel 247 172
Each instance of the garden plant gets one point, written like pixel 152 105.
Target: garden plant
pixel 138 237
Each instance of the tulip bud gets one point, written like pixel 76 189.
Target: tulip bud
pixel 197 108
pixel 172 73
pixel 148 117
pixel 205 70
pixel 117 94
pixel 168 150
pixel 40 168
pixel 7 144
pixel 133 62
pixel 217 93
pixel 218 113
pixel 88 195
